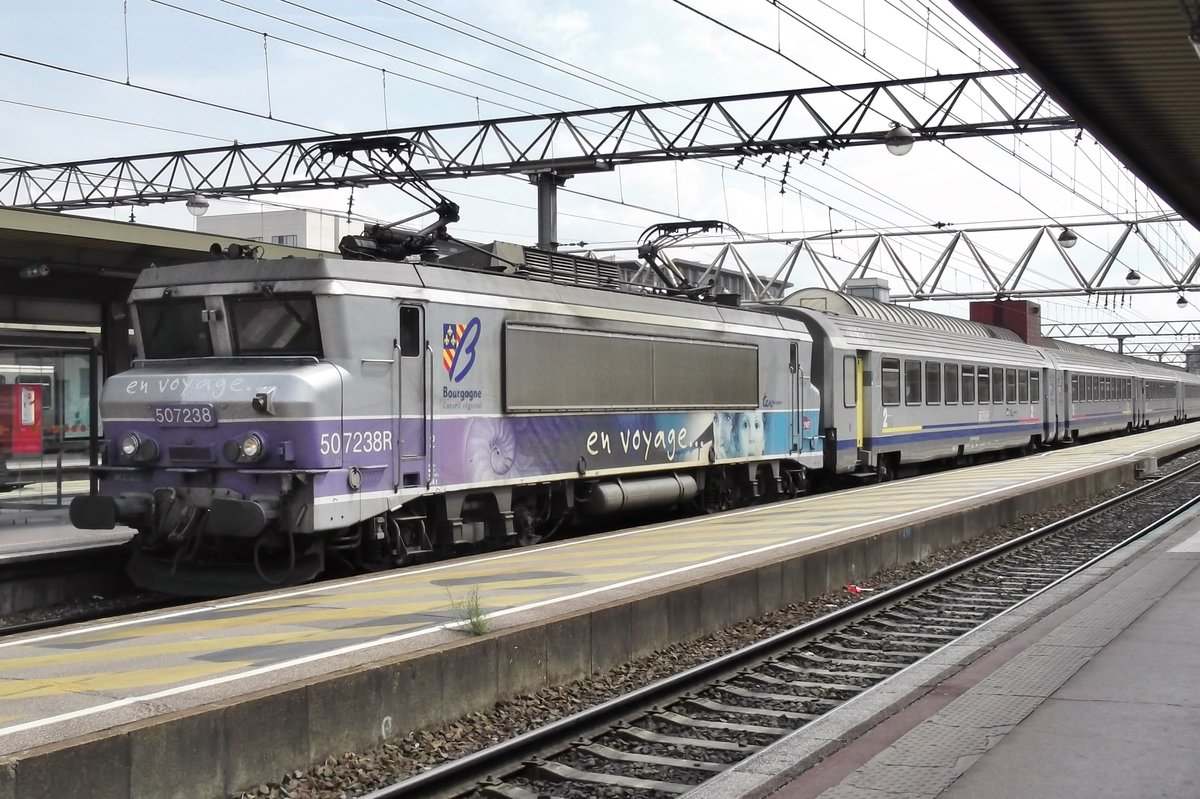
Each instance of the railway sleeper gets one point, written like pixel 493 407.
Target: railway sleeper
pixel 647 736
pixel 738 710
pixel 558 771
pixel 833 673
pixel 814 686
pixel 616 755
pixel 709 724
pixel 764 696
pixel 494 789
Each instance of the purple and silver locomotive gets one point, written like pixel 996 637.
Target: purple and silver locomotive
pixel 283 414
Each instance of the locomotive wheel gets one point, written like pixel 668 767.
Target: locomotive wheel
pixel 884 471
pixel 526 526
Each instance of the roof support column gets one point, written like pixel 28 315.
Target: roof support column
pixel 547 183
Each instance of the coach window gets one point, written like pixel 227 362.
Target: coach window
pixel 1023 386
pixel 410 331
pixel 889 373
pixel 984 381
pixel 997 385
pixel 1075 388
pixel 951 374
pixel 968 385
pixel 1035 387
pixel 849 381
pixel 1010 386
pixel 933 383
pixel 912 382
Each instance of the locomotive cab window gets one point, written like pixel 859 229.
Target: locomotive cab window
pixel 275 325
pixel 174 328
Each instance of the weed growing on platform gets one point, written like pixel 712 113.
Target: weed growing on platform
pixel 469 612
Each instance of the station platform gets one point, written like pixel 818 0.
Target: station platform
pixel 209 699
pixel 1089 690
pixel 31 534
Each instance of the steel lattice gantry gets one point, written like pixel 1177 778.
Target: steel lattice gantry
pixel 551 147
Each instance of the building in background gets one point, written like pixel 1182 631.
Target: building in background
pixel 1193 359
pixel 292 228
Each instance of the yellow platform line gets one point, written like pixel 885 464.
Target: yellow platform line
pixel 33 687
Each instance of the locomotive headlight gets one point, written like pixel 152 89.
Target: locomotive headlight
pixel 251 447
pixel 136 448
pixel 129 444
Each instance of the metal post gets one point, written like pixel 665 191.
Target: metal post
pixel 547 184
pixel 93 419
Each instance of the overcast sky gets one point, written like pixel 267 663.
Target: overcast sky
pixel 99 78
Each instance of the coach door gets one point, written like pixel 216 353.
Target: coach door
pixel 1049 407
pixel 1066 399
pixel 412 433
pixel 797 399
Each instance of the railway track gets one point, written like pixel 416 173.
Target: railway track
pixel 44 590
pixel 669 737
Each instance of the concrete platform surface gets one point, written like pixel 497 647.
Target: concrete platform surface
pixel 1098 699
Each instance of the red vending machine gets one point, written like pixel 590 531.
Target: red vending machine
pixel 21 419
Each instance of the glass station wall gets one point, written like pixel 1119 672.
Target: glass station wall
pixel 64 386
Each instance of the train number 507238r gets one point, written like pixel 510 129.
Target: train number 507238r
pixel 360 441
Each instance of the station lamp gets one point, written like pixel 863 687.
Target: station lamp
pixel 197 206
pixel 899 140
pixel 1068 238
pixel 1181 302
pixel 1133 278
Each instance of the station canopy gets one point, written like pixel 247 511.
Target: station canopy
pixel 1125 69
pixel 80 261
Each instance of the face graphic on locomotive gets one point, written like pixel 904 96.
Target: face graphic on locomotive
pixel 738 435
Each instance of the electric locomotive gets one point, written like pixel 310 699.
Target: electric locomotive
pixel 283 414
